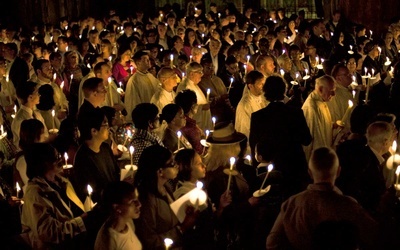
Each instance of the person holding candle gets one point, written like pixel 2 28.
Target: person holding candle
pixel 191 170
pixel 7 93
pixel 122 66
pixel 95 95
pixel 121 201
pixel 91 61
pixel 237 221
pixel 187 100
pixel 322 201
pixel 157 221
pixel 46 107
pixel 176 120
pixel 94 162
pixel 233 80
pixel 29 96
pixel 318 116
pixel 53 217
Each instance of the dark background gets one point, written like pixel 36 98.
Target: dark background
pixel 375 14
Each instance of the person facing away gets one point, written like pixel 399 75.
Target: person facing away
pixel 302 213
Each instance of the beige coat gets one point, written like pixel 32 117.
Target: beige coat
pixel 48 217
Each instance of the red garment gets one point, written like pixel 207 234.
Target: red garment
pixel 194 134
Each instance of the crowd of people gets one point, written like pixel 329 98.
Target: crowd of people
pixel 290 124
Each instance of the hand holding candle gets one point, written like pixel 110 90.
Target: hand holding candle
pixel 198 197
pixel 270 167
pixel 346 114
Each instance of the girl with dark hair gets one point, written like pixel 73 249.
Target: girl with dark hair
pixel 190 41
pixel 176 120
pixel 157 221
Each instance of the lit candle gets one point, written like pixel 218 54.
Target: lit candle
pixel 397 175
pixel 373 72
pixel 270 167
pixel 89 198
pixel 232 162
pixel 54 77
pixel 207 133
pixel 366 70
pixel 248 59
pixel 367 92
pixel 354 94
pixel 388 62
pixel 66 159
pixel 197 196
pixel 72 77
pixel 53 113
pixel 214 120
pixel 168 242
pixel 248 157
pixel 18 189
pixel 230 85
pixel 346 114
pixel 179 134
pixel 8 88
pixel 183 75
pixel 171 58
pixel 109 90
pixel 282 72
pixel 283 51
pixel 208 94
pixel 131 150
pixel 62 96
pixel 2 129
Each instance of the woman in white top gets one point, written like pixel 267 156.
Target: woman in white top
pixel 121 199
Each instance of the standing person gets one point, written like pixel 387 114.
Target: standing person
pixel 284 129
pixel 318 116
pixel 121 200
pixel 251 102
pixel 191 170
pixel 194 73
pixel 29 96
pixel 142 85
pixel 166 93
pixel 53 217
pixel 157 220
pixel 17 69
pixel 94 162
pixel 301 214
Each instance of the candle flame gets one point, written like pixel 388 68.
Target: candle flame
pixel 282 72
pixel 207 133
pixel 306 70
pixel 131 150
pixel 54 76
pixel 398 170
pixel 66 156
pixel 72 77
pixel 394 146
pixel 171 57
pixel 109 79
pixel 89 189
pixel 248 157
pixel 351 47
pixel 18 187
pixel 208 91
pixel 350 104
pixel 232 161
pixel 168 242
pixel 62 85
pixel 53 113
pixel 270 167
pixel 129 133
pixel 231 79
pixel 214 119
pixel 179 133
pixel 199 185
pixel 354 93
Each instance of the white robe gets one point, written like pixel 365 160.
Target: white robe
pixel 162 97
pixel 202 117
pixel 139 89
pixel 319 122
pixel 246 106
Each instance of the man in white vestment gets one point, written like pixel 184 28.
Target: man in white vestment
pixel 165 94
pixel 142 85
pixel 317 114
pixel 251 102
pixel 194 73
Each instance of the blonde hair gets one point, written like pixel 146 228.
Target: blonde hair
pixel 219 154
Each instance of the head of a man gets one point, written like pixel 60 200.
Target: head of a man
pixel 324 165
pixel 325 87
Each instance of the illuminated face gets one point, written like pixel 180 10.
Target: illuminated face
pixel 257 88
pixel 130 206
pixel 352 65
pixel 179 119
pixel 198 168
pixel 269 66
pixel 327 91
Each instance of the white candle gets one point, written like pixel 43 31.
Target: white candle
pixel 2 129
pixel 90 191
pixel 53 113
pixel 230 85
pixel 373 71
pixel 354 94
pixel 207 133
pixel 270 167
pixel 208 94
pixel 248 59
pixel 72 77
pixel 214 120
pixel 232 162
pixel 248 157
pixel 109 90
pixel 397 175
pixel 131 150
pixel 54 77
pixel 346 114
pixel 18 189
pixel 282 72
pixel 62 96
pixel 366 70
pixel 197 196
pixel 367 92
pixel 168 242
pixel 179 134
pixel 388 62
pixel 66 159
pixel 171 58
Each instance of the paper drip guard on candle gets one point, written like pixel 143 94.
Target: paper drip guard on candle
pixel 263 191
pixel 53 131
pixel 393 160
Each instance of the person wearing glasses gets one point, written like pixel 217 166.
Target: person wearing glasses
pixel 165 94
pixel 157 221
pixel 52 210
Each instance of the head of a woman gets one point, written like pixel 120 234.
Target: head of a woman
pixel 155 164
pixel 187 100
pixel 145 116
pixel 42 158
pixel 191 166
pixel 173 114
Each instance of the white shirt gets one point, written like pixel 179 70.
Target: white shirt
pixel 162 98
pixel 110 239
